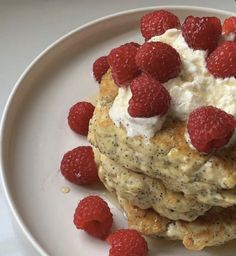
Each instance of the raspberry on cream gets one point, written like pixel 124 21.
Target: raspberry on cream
pixel 193 88
pixel 157 22
pixel 149 97
pixel 122 63
pixel 202 32
pixel 210 128
pixel 135 126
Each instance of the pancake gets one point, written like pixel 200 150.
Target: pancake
pixel 145 192
pixel 214 228
pixel 210 179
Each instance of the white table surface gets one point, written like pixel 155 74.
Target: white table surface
pixel 26 28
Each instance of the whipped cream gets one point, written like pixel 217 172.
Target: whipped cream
pixel 135 126
pixel 194 87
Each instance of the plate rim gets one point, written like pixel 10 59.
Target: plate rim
pixel 6 190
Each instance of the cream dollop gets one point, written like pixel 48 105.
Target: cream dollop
pixel 194 87
pixel 135 126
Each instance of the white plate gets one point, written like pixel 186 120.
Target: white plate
pixel 35 136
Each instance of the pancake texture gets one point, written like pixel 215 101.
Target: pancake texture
pixel 165 188
pixel 145 192
pixel 211 179
pixel 214 228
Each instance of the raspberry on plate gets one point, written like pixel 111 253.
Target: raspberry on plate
pixel 149 97
pixel 222 61
pixel 202 33
pixel 229 26
pixel 100 67
pixel 93 215
pixel 127 242
pixel 157 22
pixel 210 128
pixel 78 166
pixel 79 116
pixel 159 60
pixel 122 63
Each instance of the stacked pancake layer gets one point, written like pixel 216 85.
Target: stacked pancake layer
pixel 166 188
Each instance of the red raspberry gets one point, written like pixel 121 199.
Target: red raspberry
pixel 159 60
pixel 202 33
pixel 93 215
pixel 229 25
pixel 79 116
pixel 149 97
pixel 210 128
pixel 222 61
pixel 127 242
pixel 79 167
pixel 137 45
pixel 122 63
pixel 100 67
pixel 157 22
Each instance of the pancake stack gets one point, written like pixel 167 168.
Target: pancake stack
pixel 165 188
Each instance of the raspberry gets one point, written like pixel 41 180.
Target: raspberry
pixel 79 167
pixel 137 45
pixel 229 26
pixel 122 63
pixel 210 128
pixel 157 22
pixel 222 61
pixel 79 116
pixel 100 67
pixel 159 60
pixel 202 33
pixel 93 215
pixel 149 97
pixel 127 242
